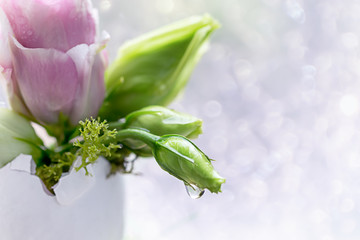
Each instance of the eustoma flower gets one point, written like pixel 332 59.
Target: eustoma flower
pixel 154 68
pixel 160 121
pixel 53 63
pixel 180 157
pixel 51 59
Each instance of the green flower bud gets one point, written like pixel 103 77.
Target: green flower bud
pixel 17 136
pixel 179 157
pixel 160 121
pixel 182 159
pixel 153 69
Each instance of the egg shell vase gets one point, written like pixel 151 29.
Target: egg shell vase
pixel 85 207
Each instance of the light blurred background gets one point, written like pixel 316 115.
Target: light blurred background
pixel 279 93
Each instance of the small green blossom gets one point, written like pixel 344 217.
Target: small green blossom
pixel 95 137
pixel 51 173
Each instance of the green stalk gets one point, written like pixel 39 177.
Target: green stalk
pixel 148 138
pixel 116 125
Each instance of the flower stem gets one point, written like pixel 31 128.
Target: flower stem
pixel 148 138
pixel 116 125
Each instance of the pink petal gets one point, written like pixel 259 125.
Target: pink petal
pixel 6 73
pixel 97 87
pixel 47 80
pixel 5 30
pixel 7 79
pixel 59 24
pixel 91 91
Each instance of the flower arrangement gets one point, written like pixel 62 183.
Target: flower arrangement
pixel 56 73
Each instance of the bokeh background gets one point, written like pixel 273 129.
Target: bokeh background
pixel 279 93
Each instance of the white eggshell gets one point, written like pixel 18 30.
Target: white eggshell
pixel 91 208
pixel 73 185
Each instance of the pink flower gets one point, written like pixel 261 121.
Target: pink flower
pixel 51 58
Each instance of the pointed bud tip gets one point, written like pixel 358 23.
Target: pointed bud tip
pixel 217 183
pixel 215 24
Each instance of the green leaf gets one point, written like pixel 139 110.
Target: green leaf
pixel 17 136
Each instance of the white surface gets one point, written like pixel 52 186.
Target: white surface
pixel 28 213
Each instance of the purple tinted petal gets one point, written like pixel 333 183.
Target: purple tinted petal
pixel 5 30
pixel 8 79
pixel 47 80
pixel 97 87
pixel 91 91
pixel 51 24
